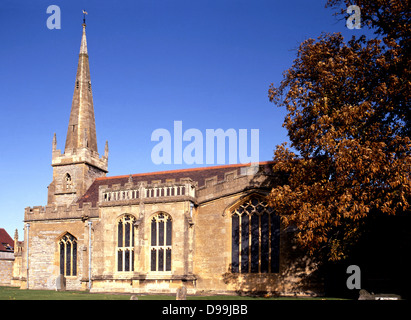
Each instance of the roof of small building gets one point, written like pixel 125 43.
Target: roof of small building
pixel 198 175
pixel 6 242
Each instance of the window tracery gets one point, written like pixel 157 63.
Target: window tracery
pixel 255 238
pixel 161 242
pixel 125 243
pixel 68 255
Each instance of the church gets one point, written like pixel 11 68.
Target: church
pixel 208 229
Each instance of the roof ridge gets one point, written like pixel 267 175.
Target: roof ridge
pixel 183 170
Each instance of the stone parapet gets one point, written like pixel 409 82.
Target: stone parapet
pixel 59 212
pixel 83 155
pixel 233 183
pixel 143 192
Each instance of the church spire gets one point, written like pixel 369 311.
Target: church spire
pixel 81 131
pixel 75 170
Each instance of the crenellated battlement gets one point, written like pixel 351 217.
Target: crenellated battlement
pixel 74 171
pixel 82 155
pixel 247 178
pixel 59 212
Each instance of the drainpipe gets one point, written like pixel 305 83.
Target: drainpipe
pixel 89 255
pixel 27 257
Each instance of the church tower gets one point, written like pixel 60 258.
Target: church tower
pixel 80 164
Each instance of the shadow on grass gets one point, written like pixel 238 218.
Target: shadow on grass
pixel 12 293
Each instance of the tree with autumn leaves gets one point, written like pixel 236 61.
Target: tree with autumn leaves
pixel 349 121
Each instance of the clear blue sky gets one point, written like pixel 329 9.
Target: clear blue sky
pixel 208 63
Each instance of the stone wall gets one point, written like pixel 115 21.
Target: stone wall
pixel 6 268
pixel 44 259
pixel 105 273
pixel 213 239
pixel 212 260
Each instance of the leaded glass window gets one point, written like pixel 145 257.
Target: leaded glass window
pixel 161 242
pixel 125 243
pixel 255 238
pixel 68 255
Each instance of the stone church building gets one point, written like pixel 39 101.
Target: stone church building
pixel 208 229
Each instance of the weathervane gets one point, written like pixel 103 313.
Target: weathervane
pixel 84 16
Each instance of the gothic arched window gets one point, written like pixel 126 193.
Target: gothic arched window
pixel 255 238
pixel 161 240
pixel 68 255
pixel 125 243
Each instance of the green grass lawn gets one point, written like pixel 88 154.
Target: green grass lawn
pixel 12 293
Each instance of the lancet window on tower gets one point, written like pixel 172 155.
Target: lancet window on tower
pixel 68 182
pixel 255 238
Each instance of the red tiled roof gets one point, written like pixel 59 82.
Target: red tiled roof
pixel 196 174
pixel 6 242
